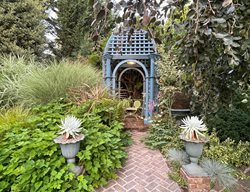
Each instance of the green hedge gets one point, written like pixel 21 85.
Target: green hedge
pixel 31 161
pixel 234 124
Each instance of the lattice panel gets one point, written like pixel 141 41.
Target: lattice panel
pixel 138 45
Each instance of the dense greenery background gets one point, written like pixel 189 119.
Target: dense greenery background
pixel 31 161
pixel 205 53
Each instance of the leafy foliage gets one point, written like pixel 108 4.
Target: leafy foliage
pixel 234 124
pixel 214 50
pixel 21 27
pixel 163 135
pixel 228 152
pixel 241 99
pixel 31 161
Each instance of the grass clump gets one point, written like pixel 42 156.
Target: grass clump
pixel 26 81
pixel 219 173
pixel 54 82
pixel 178 156
pixel 12 70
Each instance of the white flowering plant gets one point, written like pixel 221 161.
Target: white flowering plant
pixel 193 128
pixel 71 127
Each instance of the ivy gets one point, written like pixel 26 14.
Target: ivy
pixel 31 161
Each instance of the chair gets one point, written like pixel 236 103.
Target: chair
pixel 131 111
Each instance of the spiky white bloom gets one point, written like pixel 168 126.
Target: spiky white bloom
pixel 192 128
pixel 70 126
pixel 244 101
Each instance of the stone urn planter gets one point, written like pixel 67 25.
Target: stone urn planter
pixel 70 148
pixel 194 151
pixel 69 141
pixel 194 141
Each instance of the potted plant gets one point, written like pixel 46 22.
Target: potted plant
pixel 69 140
pixel 194 140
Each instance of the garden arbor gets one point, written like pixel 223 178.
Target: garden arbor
pixel 129 69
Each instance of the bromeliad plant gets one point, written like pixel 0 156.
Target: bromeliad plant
pixel 193 126
pixel 194 141
pixel 69 141
pixel 71 127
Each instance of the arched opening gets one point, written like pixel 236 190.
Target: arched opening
pixel 141 69
pixel 131 84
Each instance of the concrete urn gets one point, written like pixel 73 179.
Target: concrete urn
pixel 194 150
pixel 70 148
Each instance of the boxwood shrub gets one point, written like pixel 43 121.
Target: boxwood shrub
pixel 31 161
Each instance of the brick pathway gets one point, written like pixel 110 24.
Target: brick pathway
pixel 145 171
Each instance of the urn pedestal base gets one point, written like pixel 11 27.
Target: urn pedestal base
pixel 196 183
pixel 195 170
pixel 77 170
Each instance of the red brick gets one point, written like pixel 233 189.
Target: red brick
pixel 119 188
pixel 129 178
pixel 145 171
pixel 196 184
pixel 151 186
pixel 130 185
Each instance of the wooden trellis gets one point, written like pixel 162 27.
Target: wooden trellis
pixel 135 52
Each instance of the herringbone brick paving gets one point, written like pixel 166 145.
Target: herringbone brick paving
pixel 145 171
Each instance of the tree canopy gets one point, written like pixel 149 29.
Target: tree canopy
pixel 21 27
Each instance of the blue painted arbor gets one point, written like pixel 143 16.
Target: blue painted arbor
pixel 138 54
